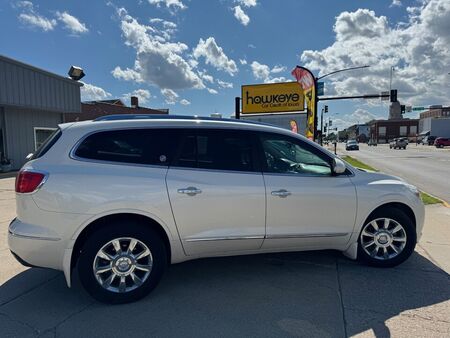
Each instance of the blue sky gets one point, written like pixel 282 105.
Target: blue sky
pixel 192 56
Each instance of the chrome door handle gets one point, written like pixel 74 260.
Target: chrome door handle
pixel 281 193
pixel 191 191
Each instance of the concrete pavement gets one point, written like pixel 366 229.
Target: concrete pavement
pixel 310 294
pixel 424 166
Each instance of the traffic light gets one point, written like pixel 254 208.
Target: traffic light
pixel 325 129
pixel 326 109
pixel 393 95
pixel 402 108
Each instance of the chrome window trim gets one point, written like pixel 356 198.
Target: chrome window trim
pixel 217 170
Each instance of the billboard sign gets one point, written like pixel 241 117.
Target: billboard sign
pixel 272 98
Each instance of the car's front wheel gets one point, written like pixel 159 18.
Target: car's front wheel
pixel 122 262
pixel 387 239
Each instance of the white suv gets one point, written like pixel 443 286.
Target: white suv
pixel 120 198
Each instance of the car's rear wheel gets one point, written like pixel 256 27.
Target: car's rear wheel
pixel 387 239
pixel 122 262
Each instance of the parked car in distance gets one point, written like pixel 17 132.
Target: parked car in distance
pixel 372 143
pixel 428 140
pixel 441 142
pixel 120 198
pixel 352 145
pixel 398 143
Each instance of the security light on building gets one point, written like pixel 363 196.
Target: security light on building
pixel 76 73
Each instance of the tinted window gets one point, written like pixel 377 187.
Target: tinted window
pixel 49 142
pixel 287 155
pixel 217 149
pixel 141 146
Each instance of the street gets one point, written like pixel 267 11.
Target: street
pixel 304 294
pixel 424 166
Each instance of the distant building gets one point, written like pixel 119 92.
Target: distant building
pixel 381 131
pixel 92 109
pixel 359 132
pixel 32 104
pixel 435 122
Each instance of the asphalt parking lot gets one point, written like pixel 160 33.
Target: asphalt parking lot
pixel 310 294
pixel 427 167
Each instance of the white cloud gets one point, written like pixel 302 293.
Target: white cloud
pixel 142 94
pixel 207 78
pixel 212 91
pixel 243 61
pixel 214 55
pixel 170 96
pixel 263 72
pixel 397 3
pixel 90 92
pixel 30 17
pixel 72 23
pixel 224 84
pixel 278 69
pixel 359 116
pixel 247 3
pixel 158 61
pixel 126 74
pixel 170 4
pixel 163 27
pixel 240 15
pixel 250 45
pixel 185 102
pixel 419 49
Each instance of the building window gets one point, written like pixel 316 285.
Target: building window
pixel 41 135
pixel 382 131
pixel 403 130
pixel 412 130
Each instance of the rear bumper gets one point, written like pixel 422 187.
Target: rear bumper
pixel 33 247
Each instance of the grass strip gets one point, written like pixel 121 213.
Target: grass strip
pixel 426 198
pixel 357 163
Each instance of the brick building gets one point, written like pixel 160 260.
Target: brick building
pixel 382 131
pixel 92 109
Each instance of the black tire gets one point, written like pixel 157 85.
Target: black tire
pixel 411 238
pixel 124 228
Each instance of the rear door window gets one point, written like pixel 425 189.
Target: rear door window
pixel 139 146
pixel 217 149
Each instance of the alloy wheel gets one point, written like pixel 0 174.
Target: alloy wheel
pixel 383 238
pixel 123 264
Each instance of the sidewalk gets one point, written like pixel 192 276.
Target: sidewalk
pixel 305 294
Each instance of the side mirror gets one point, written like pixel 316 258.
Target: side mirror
pixel 338 166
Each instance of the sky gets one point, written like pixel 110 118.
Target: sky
pixel 192 56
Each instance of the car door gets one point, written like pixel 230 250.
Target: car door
pixel 307 205
pixel 217 193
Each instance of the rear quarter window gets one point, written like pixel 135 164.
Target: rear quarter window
pixel 139 146
pixel 45 147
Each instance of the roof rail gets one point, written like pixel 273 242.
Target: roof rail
pixel 119 117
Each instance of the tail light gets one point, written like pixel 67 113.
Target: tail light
pixel 29 181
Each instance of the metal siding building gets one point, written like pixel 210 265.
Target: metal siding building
pixel 32 103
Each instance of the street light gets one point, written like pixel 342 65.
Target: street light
pixel 343 70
